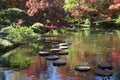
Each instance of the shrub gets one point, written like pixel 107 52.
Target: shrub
pixel 11 15
pixel 22 34
pixel 39 28
pixel 5 43
pixel 118 20
pixel 108 25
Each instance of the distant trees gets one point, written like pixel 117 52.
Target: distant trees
pixel 88 8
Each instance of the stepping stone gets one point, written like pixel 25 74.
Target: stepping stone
pixel 47 41
pixel 62 53
pixel 63 47
pixel 104 73
pixel 43 53
pixel 63 44
pixel 55 42
pixel 82 68
pixel 55 50
pixel 105 66
pixel 52 57
pixel 59 63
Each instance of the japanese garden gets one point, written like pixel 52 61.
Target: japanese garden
pixel 59 39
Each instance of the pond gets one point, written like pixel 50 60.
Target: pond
pixel 83 49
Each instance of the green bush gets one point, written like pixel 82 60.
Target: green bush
pixel 5 43
pixel 118 20
pixel 11 15
pixel 108 25
pixel 22 34
pixel 6 29
pixel 39 28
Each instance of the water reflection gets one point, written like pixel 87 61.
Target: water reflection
pixel 88 50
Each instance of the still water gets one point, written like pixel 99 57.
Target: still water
pixel 85 49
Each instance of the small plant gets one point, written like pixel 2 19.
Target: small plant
pixel 22 34
pixel 39 28
pixel 5 43
pixel 118 20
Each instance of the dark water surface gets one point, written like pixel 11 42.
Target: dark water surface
pixel 89 49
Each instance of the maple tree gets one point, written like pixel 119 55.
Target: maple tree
pixel 49 13
pixel 101 8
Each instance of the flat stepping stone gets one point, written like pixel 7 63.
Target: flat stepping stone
pixel 62 53
pixel 48 41
pixel 52 57
pixel 55 50
pixel 55 42
pixel 63 44
pixel 82 68
pixel 63 47
pixel 59 63
pixel 43 53
pixel 105 66
pixel 104 73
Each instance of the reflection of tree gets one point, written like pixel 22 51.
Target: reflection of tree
pixel 115 57
pixel 37 67
pixel 117 76
pixel 2 76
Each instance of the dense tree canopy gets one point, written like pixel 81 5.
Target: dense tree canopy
pixel 84 8
pixel 49 12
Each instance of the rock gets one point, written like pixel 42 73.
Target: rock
pixel 105 66
pixel 63 44
pixel 104 73
pixel 62 53
pixel 82 68
pixel 59 63
pixel 47 41
pixel 54 49
pixel 63 47
pixel 55 42
pixel 52 57
pixel 43 53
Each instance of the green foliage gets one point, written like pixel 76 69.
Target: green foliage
pixel 5 43
pixel 87 22
pixel 69 4
pixel 22 34
pixel 19 57
pixel 6 29
pixel 118 20
pixel 3 5
pixel 107 25
pixel 53 32
pixel 39 28
pixel 11 15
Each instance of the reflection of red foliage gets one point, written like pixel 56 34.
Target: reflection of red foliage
pixel 116 1
pixel 115 57
pixel 34 70
pixel 26 72
pixel 92 1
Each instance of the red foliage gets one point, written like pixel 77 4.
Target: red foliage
pixel 44 10
pixel 115 57
pixel 92 1
pixel 116 1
